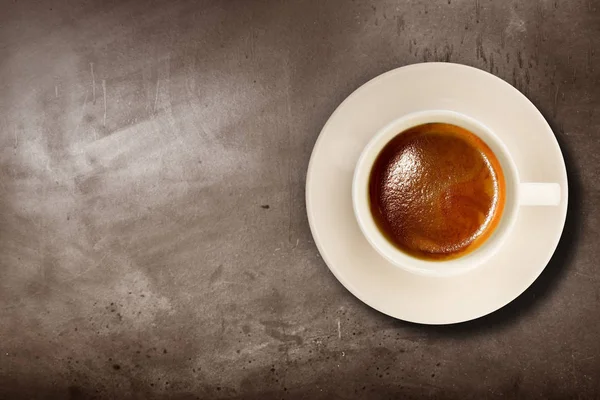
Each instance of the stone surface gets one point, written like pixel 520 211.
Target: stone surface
pixel 153 236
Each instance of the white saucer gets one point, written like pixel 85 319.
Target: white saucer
pixel 359 267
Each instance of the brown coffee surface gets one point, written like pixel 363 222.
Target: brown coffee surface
pixel 436 191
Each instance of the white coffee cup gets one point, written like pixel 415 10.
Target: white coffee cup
pixel 517 194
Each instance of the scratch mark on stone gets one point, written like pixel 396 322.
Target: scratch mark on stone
pixel 82 112
pixel 252 45
pixel 426 54
pixel 56 91
pixel 223 328
pixel 590 56
pixel 318 339
pixel 556 99
pixel 477 10
pixel 448 52
pixel 573 370
pixel 252 349
pixel 156 96
pixel 516 24
pixel 276 330
pixel 479 49
pixel 81 273
pixel 576 272
pixel 400 24
pixel 339 326
pixel 289 143
pixel 233 283
pixel 218 286
pixel 93 83
pixel 104 96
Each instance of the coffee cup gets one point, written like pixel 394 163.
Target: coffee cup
pixel 516 194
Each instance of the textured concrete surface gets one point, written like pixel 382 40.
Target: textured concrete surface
pixel 153 237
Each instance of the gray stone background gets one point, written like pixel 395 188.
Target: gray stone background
pixel 153 236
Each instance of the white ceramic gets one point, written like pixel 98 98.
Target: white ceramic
pixel 395 291
pixel 539 193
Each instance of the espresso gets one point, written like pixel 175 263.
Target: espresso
pixel 436 191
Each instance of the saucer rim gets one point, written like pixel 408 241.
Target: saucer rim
pixel 561 211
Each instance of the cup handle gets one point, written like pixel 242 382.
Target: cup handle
pixel 539 194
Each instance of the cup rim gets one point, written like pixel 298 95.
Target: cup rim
pixel 383 246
